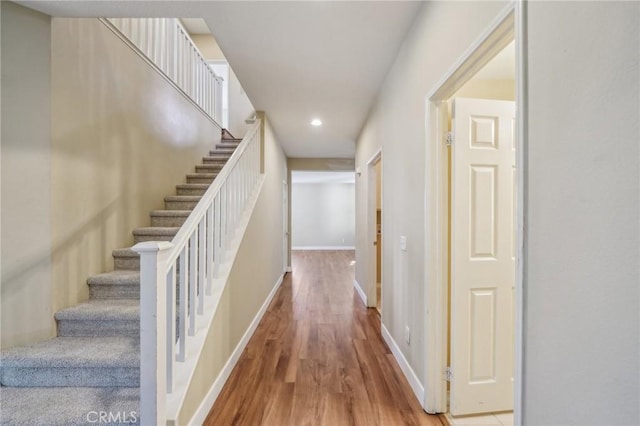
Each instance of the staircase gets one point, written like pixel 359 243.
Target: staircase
pixel 90 372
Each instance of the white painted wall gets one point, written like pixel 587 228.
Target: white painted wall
pixel 397 124
pixel 26 170
pixel 323 215
pixel 582 340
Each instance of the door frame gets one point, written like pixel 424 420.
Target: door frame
pixel 507 26
pixel 285 227
pixel 372 295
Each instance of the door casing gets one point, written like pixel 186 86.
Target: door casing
pixel 509 24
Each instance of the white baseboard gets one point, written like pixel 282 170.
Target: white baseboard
pixel 207 403
pixel 288 269
pixel 360 292
pixel 323 248
pixel 414 382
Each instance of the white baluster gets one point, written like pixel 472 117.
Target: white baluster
pixel 193 281
pixel 217 229
pixel 202 263
pixel 171 325
pixel 211 237
pixel 182 315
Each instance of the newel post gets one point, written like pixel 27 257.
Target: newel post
pixel 153 337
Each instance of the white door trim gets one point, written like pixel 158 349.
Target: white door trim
pixel 370 285
pixel 508 24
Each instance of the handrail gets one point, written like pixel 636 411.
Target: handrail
pixel 177 295
pixel 167 45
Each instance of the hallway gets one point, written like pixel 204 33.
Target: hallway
pixel 317 358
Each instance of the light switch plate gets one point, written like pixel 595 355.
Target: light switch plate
pixel 403 243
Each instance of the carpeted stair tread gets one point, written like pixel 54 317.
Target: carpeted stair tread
pixel 68 406
pixel 78 352
pixel 124 252
pixel 201 176
pixel 221 153
pixel 227 145
pixel 214 160
pixel 151 233
pixel 203 186
pixel 169 218
pixel 183 197
pixel 126 259
pixel 102 361
pixel 100 317
pixel 181 202
pixel 102 310
pixel 209 168
pixel 115 277
pixel 192 188
pixel 170 213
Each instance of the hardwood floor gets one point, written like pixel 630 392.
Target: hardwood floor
pixel 317 358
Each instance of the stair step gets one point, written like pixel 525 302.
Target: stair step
pixel 68 406
pixel 115 285
pixel 169 218
pixel 154 234
pixel 192 188
pixel 227 144
pixel 209 168
pixel 126 259
pixel 181 202
pixel 215 160
pixel 100 318
pixel 73 361
pixel 201 177
pixel 221 153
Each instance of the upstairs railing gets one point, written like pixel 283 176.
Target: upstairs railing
pixel 181 282
pixel 166 44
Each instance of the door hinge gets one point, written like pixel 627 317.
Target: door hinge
pixel 448 139
pixel 448 374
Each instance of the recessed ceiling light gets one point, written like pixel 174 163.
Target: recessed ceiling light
pixel 316 122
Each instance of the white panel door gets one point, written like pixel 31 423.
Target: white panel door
pixel 482 256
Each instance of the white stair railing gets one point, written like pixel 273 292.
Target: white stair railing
pixel 181 282
pixel 167 45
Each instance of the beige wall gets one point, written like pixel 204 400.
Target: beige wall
pixel 257 268
pixel 26 169
pixel 240 107
pixel 397 124
pixel 500 89
pixel 122 138
pixel 582 252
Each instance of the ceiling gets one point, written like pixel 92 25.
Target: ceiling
pixel 296 60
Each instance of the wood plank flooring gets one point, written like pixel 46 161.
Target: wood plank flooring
pixel 317 358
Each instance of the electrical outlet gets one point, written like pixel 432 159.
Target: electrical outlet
pixel 407 335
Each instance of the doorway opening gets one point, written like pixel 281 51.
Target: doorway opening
pixel 375 221
pixel 474 232
pixel 221 68
pixel 378 172
pixel 322 210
